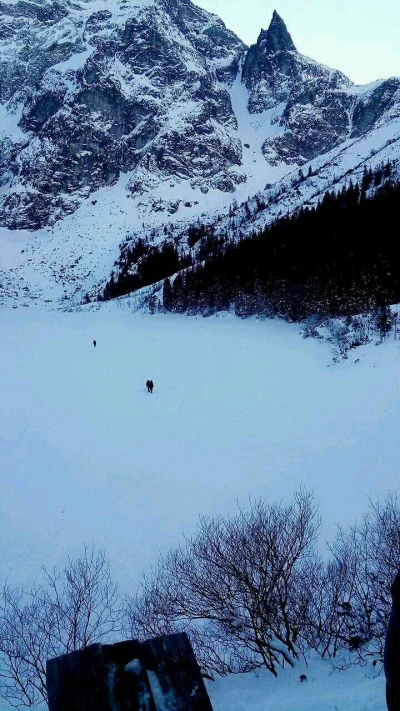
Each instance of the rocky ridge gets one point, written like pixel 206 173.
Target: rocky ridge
pixel 322 108
pixel 122 117
pixel 100 92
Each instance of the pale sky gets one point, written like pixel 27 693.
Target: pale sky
pixel 359 37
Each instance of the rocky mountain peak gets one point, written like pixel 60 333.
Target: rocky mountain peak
pixel 145 96
pixel 275 72
pixel 269 66
pixel 277 38
pixel 92 90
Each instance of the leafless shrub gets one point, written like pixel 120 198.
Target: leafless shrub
pixel 339 337
pixel 71 609
pixel 250 590
pixel 330 590
pixel 311 325
pixel 370 554
pixel 361 328
pixel 239 587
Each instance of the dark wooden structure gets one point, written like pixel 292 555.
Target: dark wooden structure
pixel 160 674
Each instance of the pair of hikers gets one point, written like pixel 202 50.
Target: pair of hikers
pixel 149 383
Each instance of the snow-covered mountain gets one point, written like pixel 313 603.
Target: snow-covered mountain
pixel 321 107
pixel 120 117
pixel 105 89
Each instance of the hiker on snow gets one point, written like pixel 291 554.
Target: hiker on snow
pixel 149 386
pixel 95 343
pixel 392 650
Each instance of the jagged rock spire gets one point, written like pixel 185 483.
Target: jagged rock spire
pixel 272 45
pixel 276 38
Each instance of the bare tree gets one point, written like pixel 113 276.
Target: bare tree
pixel 71 609
pixel 361 327
pixel 370 553
pixel 240 584
pixel 250 590
pixel 339 337
pixel 331 587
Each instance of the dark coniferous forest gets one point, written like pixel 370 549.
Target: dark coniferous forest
pixel 341 257
pixel 154 264
pixel 338 258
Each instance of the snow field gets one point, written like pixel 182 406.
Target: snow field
pixel 240 408
pixel 324 690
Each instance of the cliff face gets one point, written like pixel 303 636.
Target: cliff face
pixel 91 90
pixel 322 108
pixel 119 118
pixel 99 90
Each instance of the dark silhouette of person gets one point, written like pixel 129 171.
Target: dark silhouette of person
pixel 95 343
pixel 392 650
pixel 149 386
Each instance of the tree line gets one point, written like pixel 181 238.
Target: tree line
pixel 338 258
pixel 142 265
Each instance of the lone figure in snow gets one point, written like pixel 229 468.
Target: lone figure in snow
pixel 95 343
pixel 149 386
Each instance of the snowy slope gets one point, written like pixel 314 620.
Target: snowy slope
pixel 331 171
pixel 355 690
pixel 240 409
pixel 76 254
pixel 119 118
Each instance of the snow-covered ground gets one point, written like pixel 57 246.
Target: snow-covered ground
pixel 324 690
pixel 240 408
pixel 76 254
pixel 253 130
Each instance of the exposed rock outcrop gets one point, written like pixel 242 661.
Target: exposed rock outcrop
pixel 154 101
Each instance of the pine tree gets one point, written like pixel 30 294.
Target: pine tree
pixel 384 322
pixel 167 295
pixel 387 171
